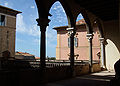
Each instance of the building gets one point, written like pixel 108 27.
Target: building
pixel 81 43
pixel 7 30
pixel 24 56
pixel 106 15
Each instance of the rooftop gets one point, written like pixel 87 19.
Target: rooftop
pixel 8 11
pixel 23 53
pixel 78 23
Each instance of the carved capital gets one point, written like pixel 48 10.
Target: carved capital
pixel 71 31
pixel 101 40
pixel 89 37
pixel 43 22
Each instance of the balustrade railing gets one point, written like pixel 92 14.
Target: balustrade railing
pixel 36 63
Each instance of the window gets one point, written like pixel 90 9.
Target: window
pixel 69 42
pixel 2 20
pixel 75 42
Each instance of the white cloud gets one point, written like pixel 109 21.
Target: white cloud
pixel 34 30
pixel 58 15
pixel 19 40
pixel 7 4
pixel 32 7
pixel 51 37
pixel 20 25
pixel 36 41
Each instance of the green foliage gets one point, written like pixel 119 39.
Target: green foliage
pixel 50 58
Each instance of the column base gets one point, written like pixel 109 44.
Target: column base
pixel 103 68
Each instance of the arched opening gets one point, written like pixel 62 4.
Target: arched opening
pixel 57 34
pixel 112 54
pixel 27 32
pixel 82 49
pixel 96 43
pixel 88 49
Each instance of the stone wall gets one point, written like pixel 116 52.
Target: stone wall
pixel 7 35
pixel 35 77
pixel 84 69
pixel 62 49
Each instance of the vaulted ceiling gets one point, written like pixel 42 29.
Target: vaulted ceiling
pixel 104 9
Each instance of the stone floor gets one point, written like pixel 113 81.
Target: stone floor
pixel 96 79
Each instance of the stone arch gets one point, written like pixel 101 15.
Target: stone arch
pixel 95 41
pixel 70 17
pixel 100 27
pixel 87 20
pixel 58 18
pixel 112 54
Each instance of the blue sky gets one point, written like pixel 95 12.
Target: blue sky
pixel 27 31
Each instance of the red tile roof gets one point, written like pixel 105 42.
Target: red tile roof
pixel 23 53
pixel 82 21
pixel 37 57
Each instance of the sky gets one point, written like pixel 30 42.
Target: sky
pixel 27 31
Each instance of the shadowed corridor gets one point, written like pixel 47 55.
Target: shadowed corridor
pixel 96 79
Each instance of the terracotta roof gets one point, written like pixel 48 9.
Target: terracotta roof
pixel 82 21
pixel 23 53
pixel 37 57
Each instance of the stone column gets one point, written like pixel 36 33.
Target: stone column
pixel 43 23
pixel 71 35
pixel 90 37
pixel 103 65
pixel 72 49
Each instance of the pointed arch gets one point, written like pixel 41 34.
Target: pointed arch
pixel 58 14
pixel 87 20
pixel 100 27
pixel 70 17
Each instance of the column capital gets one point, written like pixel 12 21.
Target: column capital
pixel 101 40
pixel 43 22
pixel 71 31
pixel 89 36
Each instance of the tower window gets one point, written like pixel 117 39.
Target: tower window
pixel 69 42
pixel 2 20
pixel 75 42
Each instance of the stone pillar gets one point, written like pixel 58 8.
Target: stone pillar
pixel 103 65
pixel 90 37
pixel 72 50
pixel 43 23
pixel 71 34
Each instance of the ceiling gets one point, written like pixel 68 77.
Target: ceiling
pixel 104 9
